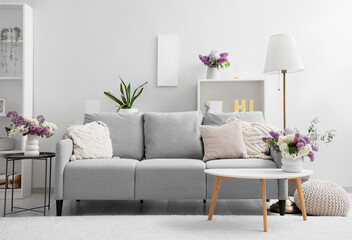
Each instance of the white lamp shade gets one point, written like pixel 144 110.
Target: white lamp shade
pixel 283 54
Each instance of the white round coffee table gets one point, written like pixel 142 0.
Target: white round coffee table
pixel 262 175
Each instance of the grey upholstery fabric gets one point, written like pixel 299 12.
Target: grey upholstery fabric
pixel 220 118
pixel 276 156
pixel 173 135
pixel 170 179
pixel 244 188
pixel 64 150
pixel 100 179
pixel 126 132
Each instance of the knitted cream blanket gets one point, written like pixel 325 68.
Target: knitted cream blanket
pixel 91 140
pixel 252 136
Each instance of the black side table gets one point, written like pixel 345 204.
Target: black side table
pixel 46 156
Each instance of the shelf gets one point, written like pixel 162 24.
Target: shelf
pixel 232 80
pixel 11 78
pixel 9 41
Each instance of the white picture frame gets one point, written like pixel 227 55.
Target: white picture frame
pixel 2 106
pixel 168 54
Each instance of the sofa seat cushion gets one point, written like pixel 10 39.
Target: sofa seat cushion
pixel 241 188
pixel 170 179
pixel 173 135
pixel 100 179
pixel 240 163
pixel 126 132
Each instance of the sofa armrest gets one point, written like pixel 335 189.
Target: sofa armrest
pixel 64 150
pixel 276 156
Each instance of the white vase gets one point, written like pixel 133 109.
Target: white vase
pixel 292 165
pixel 132 110
pixel 32 147
pixel 213 73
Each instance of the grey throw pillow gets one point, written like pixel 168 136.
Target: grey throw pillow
pixel 173 135
pixel 220 118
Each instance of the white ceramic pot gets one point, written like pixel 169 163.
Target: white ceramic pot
pixel 213 73
pixel 292 165
pixel 132 110
pixel 32 147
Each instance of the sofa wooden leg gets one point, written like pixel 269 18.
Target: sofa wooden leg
pixel 59 204
pixel 141 201
pixel 78 200
pixel 267 200
pixel 204 200
pixel 282 204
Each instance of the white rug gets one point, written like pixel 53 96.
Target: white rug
pixel 174 227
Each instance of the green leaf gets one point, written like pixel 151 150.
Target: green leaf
pixel 124 99
pixel 121 89
pixel 135 97
pixel 129 93
pixel 112 97
pixel 138 88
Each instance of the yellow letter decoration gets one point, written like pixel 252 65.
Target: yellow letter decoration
pixel 241 107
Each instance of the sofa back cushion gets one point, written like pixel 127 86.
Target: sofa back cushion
pixel 220 118
pixel 173 135
pixel 126 132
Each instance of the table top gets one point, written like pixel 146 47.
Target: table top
pixel 257 173
pixel 21 156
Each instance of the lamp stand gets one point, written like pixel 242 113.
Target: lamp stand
pixel 290 206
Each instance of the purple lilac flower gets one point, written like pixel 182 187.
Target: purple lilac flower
pixel 264 139
pixel 299 145
pixel 40 119
pixel 297 138
pixel 288 131
pixel 311 156
pixel 32 128
pixel 225 54
pixel 315 148
pixel 275 135
pixel 221 60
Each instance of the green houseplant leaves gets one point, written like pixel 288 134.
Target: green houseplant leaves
pixel 127 100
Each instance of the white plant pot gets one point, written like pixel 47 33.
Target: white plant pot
pixel 292 165
pixel 32 147
pixel 213 73
pixel 132 110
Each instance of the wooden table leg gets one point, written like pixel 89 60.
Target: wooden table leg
pixel 215 196
pixel 301 198
pixel 264 205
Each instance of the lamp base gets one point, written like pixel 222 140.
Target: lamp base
pixel 290 207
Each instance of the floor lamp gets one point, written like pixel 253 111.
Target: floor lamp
pixel 283 57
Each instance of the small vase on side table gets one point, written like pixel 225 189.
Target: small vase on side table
pixel 213 73
pixel 292 165
pixel 32 145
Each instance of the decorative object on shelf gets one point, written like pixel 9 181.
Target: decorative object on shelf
pixel 7 144
pixel 12 36
pixel 168 60
pixel 214 61
pixel 31 127
pixel 127 99
pixel 324 198
pixel 242 106
pixel 214 106
pixel 238 71
pixel 2 106
pixel 283 57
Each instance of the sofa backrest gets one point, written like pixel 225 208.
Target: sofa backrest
pixel 220 118
pixel 126 132
pixel 173 135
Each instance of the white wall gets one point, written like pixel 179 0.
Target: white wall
pixel 81 46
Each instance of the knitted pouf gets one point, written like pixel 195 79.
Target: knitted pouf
pixel 323 198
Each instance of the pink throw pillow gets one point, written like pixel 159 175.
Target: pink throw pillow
pixel 225 141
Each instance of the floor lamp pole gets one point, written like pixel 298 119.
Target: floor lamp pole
pixel 284 76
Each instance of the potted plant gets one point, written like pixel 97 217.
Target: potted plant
pixel 125 104
pixel 294 146
pixel 30 127
pixel 214 61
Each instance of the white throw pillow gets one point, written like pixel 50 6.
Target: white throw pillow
pixel 252 136
pixel 91 140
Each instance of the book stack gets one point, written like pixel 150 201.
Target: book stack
pixel 17 182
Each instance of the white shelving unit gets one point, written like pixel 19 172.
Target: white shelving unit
pixel 17 90
pixel 229 90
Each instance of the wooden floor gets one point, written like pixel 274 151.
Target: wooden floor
pixel 148 207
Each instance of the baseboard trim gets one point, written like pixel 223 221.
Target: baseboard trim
pixel 39 190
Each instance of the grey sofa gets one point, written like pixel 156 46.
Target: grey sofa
pixel 160 157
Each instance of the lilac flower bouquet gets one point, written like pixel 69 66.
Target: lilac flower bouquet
pixel 291 144
pixel 215 60
pixel 22 126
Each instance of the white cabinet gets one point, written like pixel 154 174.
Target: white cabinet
pixel 16 82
